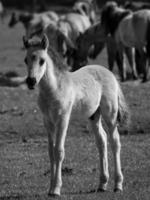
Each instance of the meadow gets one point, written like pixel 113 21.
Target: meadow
pixel 24 161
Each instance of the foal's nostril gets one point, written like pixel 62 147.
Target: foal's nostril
pixel 10 24
pixel 31 81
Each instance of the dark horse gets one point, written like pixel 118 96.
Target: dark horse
pixel 93 36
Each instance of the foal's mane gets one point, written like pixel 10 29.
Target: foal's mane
pixel 112 15
pixel 57 59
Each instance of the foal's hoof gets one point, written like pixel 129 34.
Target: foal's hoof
pixel 117 190
pixel 101 190
pixel 54 193
pixel 102 187
pixel 144 80
pixel 135 77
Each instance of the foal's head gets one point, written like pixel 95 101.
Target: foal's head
pixel 36 59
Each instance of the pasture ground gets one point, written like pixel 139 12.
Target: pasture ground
pixel 24 163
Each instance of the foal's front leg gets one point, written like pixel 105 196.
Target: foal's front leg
pixel 50 127
pixel 59 153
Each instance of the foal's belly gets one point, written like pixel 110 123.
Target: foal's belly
pixel 83 110
pixel 86 105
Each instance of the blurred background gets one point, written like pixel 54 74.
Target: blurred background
pixel 35 4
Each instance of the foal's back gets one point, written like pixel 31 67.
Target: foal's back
pixel 93 85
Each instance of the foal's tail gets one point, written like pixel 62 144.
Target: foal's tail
pixel 123 117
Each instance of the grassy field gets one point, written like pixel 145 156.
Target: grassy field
pixel 24 163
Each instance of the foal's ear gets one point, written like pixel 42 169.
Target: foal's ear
pixel 25 42
pixel 45 42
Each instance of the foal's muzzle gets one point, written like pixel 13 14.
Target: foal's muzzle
pixel 31 81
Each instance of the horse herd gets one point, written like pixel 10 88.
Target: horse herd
pixel 57 46
pixel 81 33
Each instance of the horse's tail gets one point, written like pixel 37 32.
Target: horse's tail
pixel 123 117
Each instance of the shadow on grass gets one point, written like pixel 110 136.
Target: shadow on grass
pixel 12 197
pixel 11 79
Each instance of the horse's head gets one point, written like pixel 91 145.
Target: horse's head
pixel 84 43
pixel 35 59
pixel 85 8
pixel 107 13
pixel 111 15
pixel 13 20
pixel 80 54
pixel 82 7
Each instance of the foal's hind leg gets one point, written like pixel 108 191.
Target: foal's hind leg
pixel 101 141
pixel 110 117
pixel 116 148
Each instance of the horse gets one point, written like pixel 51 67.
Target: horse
pixel 92 36
pixel 72 25
pixel 85 40
pixel 91 92
pixel 33 22
pixel 134 6
pixel 60 41
pixel 130 29
pixel 86 8
pixel 65 32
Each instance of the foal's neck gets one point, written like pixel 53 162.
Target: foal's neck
pixel 53 80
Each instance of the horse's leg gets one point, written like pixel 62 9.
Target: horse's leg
pixel 109 111
pixel 50 131
pixel 111 52
pixel 139 63
pixel 121 63
pixel 147 59
pixel 145 64
pixel 101 141
pixel 61 132
pixel 130 53
pixel 147 54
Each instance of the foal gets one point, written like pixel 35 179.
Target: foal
pixel 63 95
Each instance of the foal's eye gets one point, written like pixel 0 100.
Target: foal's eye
pixel 41 62
pixel 25 60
